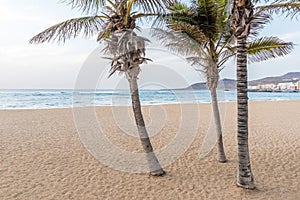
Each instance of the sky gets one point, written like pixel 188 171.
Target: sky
pixel 25 66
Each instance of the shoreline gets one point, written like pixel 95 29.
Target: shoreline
pixel 146 105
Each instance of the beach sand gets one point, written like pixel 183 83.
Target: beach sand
pixel 42 157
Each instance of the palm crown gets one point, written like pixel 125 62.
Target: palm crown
pixel 105 17
pixel 203 30
pixel 114 24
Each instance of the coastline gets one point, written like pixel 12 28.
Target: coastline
pixel 38 99
pixel 42 156
pixel 148 105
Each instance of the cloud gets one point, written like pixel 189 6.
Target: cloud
pixel 41 66
pixel 294 36
pixel 8 14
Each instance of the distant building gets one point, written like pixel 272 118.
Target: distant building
pixel 250 87
pixel 284 86
pixel 287 86
pixel 298 85
pixel 266 86
pixel 293 86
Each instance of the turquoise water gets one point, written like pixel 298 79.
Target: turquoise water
pixel 36 99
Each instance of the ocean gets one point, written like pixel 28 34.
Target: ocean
pixel 40 99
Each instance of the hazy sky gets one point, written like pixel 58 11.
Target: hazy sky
pixel 57 66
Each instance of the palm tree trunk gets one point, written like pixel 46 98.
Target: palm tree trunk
pixel 221 153
pixel 245 177
pixel 154 165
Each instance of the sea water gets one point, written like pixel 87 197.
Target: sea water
pixel 42 98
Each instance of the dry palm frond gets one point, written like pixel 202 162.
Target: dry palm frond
pixel 127 50
pixel 105 32
pixel 288 8
pixel 153 6
pixel 258 22
pixel 86 5
pixel 88 26
pixel 198 61
pixel 228 53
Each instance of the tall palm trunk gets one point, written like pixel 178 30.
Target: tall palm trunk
pixel 154 165
pixel 212 80
pixel 245 177
pixel 242 13
pixel 217 121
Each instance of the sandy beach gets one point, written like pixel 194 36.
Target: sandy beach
pixel 42 157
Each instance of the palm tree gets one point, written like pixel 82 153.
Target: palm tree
pixel 128 51
pixel 249 20
pixel 202 32
pixel 115 25
pixel 194 32
pixel 242 13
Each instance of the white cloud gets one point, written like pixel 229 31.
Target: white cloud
pixel 294 36
pixel 37 66
pixel 9 14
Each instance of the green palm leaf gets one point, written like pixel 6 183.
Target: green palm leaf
pixel 88 26
pixel 208 15
pixel 201 32
pixel 268 47
pixel 179 42
pixel 190 31
pixel 178 12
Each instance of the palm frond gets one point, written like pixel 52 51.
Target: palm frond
pixel 261 1
pixel 258 22
pixel 228 53
pixel 268 47
pixel 87 6
pixel 211 15
pixel 191 31
pixel 199 62
pixel 153 6
pixel 143 15
pixel 225 38
pixel 179 42
pixel 127 50
pixel 179 9
pixel 288 8
pixel 144 18
pixel 178 12
pixel 110 9
pixel 105 32
pixel 88 26
pixel 208 15
pixel 192 28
